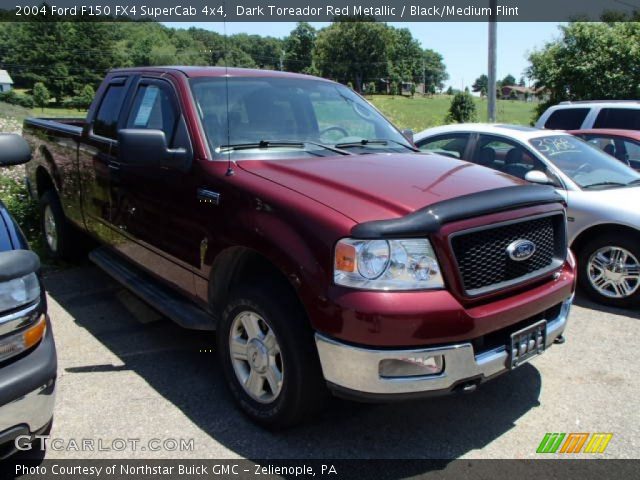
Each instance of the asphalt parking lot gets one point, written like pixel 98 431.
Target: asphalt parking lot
pixel 125 372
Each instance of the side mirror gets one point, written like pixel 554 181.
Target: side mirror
pixel 14 150
pixel 149 148
pixel 536 176
pixel 408 134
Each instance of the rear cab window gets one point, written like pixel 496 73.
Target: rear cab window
pixel 106 120
pixel 566 119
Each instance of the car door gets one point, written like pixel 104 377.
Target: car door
pixel 151 206
pixel 95 160
pixel 625 150
pixel 454 145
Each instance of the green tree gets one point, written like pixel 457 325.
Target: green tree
pixel 298 47
pixel 462 108
pixel 591 61
pixel 450 90
pixel 508 80
pixel 352 50
pixel 435 71
pixel 404 56
pixel 41 95
pixel 481 84
pixel 371 88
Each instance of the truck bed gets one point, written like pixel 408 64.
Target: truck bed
pixel 68 125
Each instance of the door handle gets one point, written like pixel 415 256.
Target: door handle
pixel 113 166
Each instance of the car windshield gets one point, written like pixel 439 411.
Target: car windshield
pixel 588 166
pixel 271 117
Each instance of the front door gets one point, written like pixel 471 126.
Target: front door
pixel 152 201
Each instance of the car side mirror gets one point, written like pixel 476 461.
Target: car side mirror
pixel 408 134
pixel 14 150
pixel 138 146
pixel 536 176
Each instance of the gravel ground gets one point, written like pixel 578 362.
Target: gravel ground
pixel 125 372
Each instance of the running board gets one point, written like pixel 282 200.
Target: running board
pixel 162 298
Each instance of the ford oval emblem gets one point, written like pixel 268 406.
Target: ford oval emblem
pixel 521 250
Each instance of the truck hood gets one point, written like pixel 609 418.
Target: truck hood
pixel 379 186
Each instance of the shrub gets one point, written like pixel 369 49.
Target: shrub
pixel 13 98
pixel 24 209
pixel 371 88
pixel 462 109
pixel 41 95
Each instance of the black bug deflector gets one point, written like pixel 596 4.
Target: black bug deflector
pixel 430 219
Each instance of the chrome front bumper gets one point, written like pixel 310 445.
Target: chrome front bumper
pixel 356 369
pixel 34 409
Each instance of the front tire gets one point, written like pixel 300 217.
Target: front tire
pixel 268 356
pixel 609 270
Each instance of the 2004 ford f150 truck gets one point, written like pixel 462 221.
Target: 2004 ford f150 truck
pixel 288 214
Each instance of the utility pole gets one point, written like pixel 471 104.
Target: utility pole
pixel 424 78
pixel 491 93
pixel 282 53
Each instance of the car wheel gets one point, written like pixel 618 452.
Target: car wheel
pixel 59 236
pixel 609 270
pixel 268 355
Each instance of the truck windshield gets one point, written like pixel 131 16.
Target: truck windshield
pixel 240 112
pixel 588 166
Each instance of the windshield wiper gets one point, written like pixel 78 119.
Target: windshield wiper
pixel 261 144
pixel 366 142
pixel 362 143
pixel 278 144
pixel 605 184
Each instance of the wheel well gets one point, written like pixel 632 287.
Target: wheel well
pixel 240 265
pixel 592 232
pixel 44 182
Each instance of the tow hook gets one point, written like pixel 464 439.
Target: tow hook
pixel 559 340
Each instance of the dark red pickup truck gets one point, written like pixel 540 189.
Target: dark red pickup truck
pixel 289 215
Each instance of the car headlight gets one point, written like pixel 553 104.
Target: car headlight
pixel 403 264
pixel 18 292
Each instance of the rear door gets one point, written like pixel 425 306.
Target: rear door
pixel 95 159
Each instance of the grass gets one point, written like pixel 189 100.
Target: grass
pixel 20 113
pixel 419 112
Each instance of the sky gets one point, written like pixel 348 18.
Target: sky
pixel 463 45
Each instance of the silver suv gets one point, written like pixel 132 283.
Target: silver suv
pixel 620 114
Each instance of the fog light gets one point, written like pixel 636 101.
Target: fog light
pixel 414 366
pixel 19 342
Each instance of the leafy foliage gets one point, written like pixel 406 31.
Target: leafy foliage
pixel 462 109
pixel 41 95
pixel 67 56
pixel 591 61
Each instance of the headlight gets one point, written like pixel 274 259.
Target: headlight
pixel 408 264
pixel 18 292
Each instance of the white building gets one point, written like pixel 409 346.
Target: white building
pixel 5 81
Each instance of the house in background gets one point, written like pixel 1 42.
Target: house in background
pixel 515 92
pixel 6 83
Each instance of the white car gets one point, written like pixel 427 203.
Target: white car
pixel 602 195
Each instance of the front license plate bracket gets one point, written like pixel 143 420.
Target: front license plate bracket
pixel 528 343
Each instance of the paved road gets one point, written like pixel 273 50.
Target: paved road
pixel 127 373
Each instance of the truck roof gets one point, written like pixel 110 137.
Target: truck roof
pixel 195 72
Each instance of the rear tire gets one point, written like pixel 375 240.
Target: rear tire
pixel 273 370
pixel 609 270
pixel 61 239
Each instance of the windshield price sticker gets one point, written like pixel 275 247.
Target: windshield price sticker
pixel 554 145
